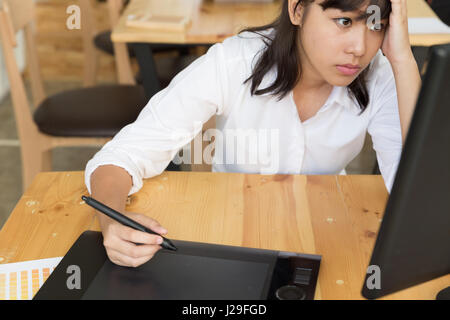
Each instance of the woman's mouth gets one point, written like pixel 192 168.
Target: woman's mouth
pixel 348 70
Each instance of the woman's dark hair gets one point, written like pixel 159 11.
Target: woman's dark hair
pixel 282 50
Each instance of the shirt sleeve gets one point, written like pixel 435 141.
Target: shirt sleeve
pixel 384 126
pixel 170 120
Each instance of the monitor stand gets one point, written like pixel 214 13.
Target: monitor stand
pixel 444 294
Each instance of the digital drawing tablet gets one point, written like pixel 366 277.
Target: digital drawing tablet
pixel 196 271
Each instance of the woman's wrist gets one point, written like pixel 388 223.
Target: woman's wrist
pixel 111 185
pixel 408 83
pixel 405 60
pixel 407 71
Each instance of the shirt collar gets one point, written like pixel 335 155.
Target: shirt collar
pixel 342 96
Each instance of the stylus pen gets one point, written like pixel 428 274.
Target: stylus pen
pixel 166 244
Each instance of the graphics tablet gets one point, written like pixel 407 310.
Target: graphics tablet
pixel 196 271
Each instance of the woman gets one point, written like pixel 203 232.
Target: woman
pixel 316 78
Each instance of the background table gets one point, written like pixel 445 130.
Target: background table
pixel 213 22
pixel 335 216
pixel 420 9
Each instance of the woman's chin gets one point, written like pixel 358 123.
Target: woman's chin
pixel 340 81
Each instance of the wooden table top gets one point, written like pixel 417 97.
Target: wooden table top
pixel 214 22
pixel 211 22
pixel 420 9
pixel 335 216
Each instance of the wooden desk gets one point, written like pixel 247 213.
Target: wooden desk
pixel 334 216
pixel 420 9
pixel 213 22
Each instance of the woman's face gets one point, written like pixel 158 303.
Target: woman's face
pixel 331 38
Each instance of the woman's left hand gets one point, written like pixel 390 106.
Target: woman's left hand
pixel 396 46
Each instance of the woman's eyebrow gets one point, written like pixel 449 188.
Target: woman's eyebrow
pixel 360 15
pixel 363 15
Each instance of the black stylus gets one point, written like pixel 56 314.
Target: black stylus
pixel 113 214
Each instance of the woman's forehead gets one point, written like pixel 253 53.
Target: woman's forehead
pixel 353 5
pixel 358 7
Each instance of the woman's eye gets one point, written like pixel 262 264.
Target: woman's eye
pixel 345 22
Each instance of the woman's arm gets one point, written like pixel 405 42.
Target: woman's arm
pixel 169 121
pixel 111 185
pixel 396 47
pixel 143 149
pixel 408 84
pixel 124 246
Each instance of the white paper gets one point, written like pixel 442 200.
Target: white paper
pixel 16 279
pixel 427 26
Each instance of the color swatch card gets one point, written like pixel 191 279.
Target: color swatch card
pixel 22 280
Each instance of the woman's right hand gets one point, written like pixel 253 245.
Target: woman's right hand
pixel 129 247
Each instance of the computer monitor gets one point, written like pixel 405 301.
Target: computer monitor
pixel 413 243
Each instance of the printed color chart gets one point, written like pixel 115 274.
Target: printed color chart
pixel 22 280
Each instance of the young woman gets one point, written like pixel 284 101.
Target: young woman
pixel 316 77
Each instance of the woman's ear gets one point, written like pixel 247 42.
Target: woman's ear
pixel 296 12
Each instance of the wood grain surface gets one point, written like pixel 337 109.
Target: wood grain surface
pixel 210 22
pixel 335 216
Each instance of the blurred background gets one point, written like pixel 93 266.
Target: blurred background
pixel 61 58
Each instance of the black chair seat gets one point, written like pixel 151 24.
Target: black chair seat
pixel 99 111
pixel 167 67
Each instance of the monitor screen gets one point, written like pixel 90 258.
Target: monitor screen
pixel 413 243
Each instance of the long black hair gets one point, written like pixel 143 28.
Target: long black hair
pixel 282 52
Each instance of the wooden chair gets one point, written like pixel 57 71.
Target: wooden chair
pixel 94 41
pixel 102 41
pixel 90 33
pixel 83 117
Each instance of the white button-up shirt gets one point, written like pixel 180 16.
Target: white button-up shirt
pixel 275 140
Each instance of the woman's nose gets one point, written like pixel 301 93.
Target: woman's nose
pixel 357 41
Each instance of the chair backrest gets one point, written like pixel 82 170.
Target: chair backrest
pixel 21 12
pixel 88 17
pixel 115 8
pixel 88 26
pixel 89 32
pixel 14 16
